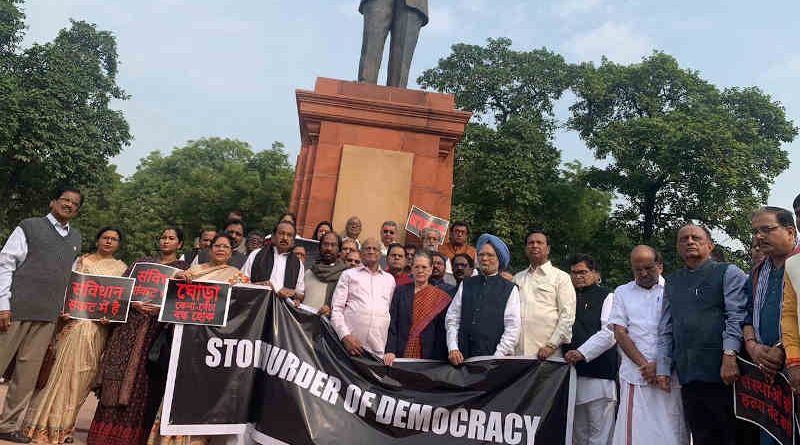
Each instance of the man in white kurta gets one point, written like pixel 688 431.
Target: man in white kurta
pixel 547 301
pixel 647 414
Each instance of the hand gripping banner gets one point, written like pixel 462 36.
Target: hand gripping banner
pixel 280 374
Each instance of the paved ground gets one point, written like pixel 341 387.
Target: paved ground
pixel 84 417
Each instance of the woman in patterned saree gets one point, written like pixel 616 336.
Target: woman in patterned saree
pixel 216 270
pixel 130 390
pixel 417 314
pixel 79 345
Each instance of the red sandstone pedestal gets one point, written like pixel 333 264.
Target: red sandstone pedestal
pixel 373 151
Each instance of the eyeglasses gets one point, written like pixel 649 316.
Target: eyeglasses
pixel 388 232
pixel 764 230
pixel 67 200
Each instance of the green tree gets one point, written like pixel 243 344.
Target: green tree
pixel 196 186
pixel 56 127
pixel 678 148
pixel 507 177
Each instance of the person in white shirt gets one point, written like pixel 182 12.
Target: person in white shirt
pixel 360 304
pixel 547 299
pixel 483 318
pixel 647 414
pixel 593 353
pixel 276 266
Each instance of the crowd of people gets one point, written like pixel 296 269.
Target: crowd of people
pixel 655 357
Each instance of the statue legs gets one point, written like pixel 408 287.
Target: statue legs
pixel 406 24
pixel 377 22
pixel 380 16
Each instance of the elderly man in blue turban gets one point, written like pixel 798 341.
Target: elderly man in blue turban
pixel 484 317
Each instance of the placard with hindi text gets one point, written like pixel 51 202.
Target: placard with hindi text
pixel 770 405
pixel 198 302
pixel 98 297
pixel 150 280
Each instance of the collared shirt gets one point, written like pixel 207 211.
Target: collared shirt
pixel 735 313
pixel 639 311
pixel 511 322
pixel 14 253
pixel 278 270
pixel 360 306
pixel 548 307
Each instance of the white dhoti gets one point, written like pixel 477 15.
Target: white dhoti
pixel 649 415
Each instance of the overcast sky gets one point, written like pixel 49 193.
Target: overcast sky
pixel 230 69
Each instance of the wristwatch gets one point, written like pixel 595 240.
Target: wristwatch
pixel 731 352
pixel 550 345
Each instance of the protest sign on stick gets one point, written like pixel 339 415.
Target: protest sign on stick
pixel 418 220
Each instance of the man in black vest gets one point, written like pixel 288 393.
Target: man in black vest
pixel 35 266
pixel 484 317
pixel 276 266
pixel 700 333
pixel 593 353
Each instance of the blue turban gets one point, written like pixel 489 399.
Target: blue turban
pixel 499 247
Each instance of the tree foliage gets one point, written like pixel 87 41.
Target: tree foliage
pixel 507 177
pixel 56 127
pixel 193 187
pixel 679 149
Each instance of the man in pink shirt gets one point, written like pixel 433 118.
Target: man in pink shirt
pixel 360 303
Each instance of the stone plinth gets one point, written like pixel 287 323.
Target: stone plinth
pixel 373 151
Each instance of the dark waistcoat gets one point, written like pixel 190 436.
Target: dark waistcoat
pixel 483 303
pixel 697 307
pixel 262 268
pixel 38 284
pixel 588 308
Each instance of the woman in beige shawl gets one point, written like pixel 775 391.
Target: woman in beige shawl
pixel 79 345
pixel 215 270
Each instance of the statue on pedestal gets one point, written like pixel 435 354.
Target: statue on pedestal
pixel 404 18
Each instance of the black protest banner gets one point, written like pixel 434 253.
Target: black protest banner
pixel 308 390
pixel 150 280
pixel 97 297
pixel 418 220
pixel 218 360
pixel 198 302
pixel 770 406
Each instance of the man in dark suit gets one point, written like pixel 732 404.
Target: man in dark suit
pixel 404 18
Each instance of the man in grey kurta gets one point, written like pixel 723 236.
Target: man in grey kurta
pixel 35 265
pixel 404 18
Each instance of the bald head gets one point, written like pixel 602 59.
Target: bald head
pixel 645 252
pixel 646 265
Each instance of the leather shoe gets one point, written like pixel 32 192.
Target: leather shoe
pixel 15 436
